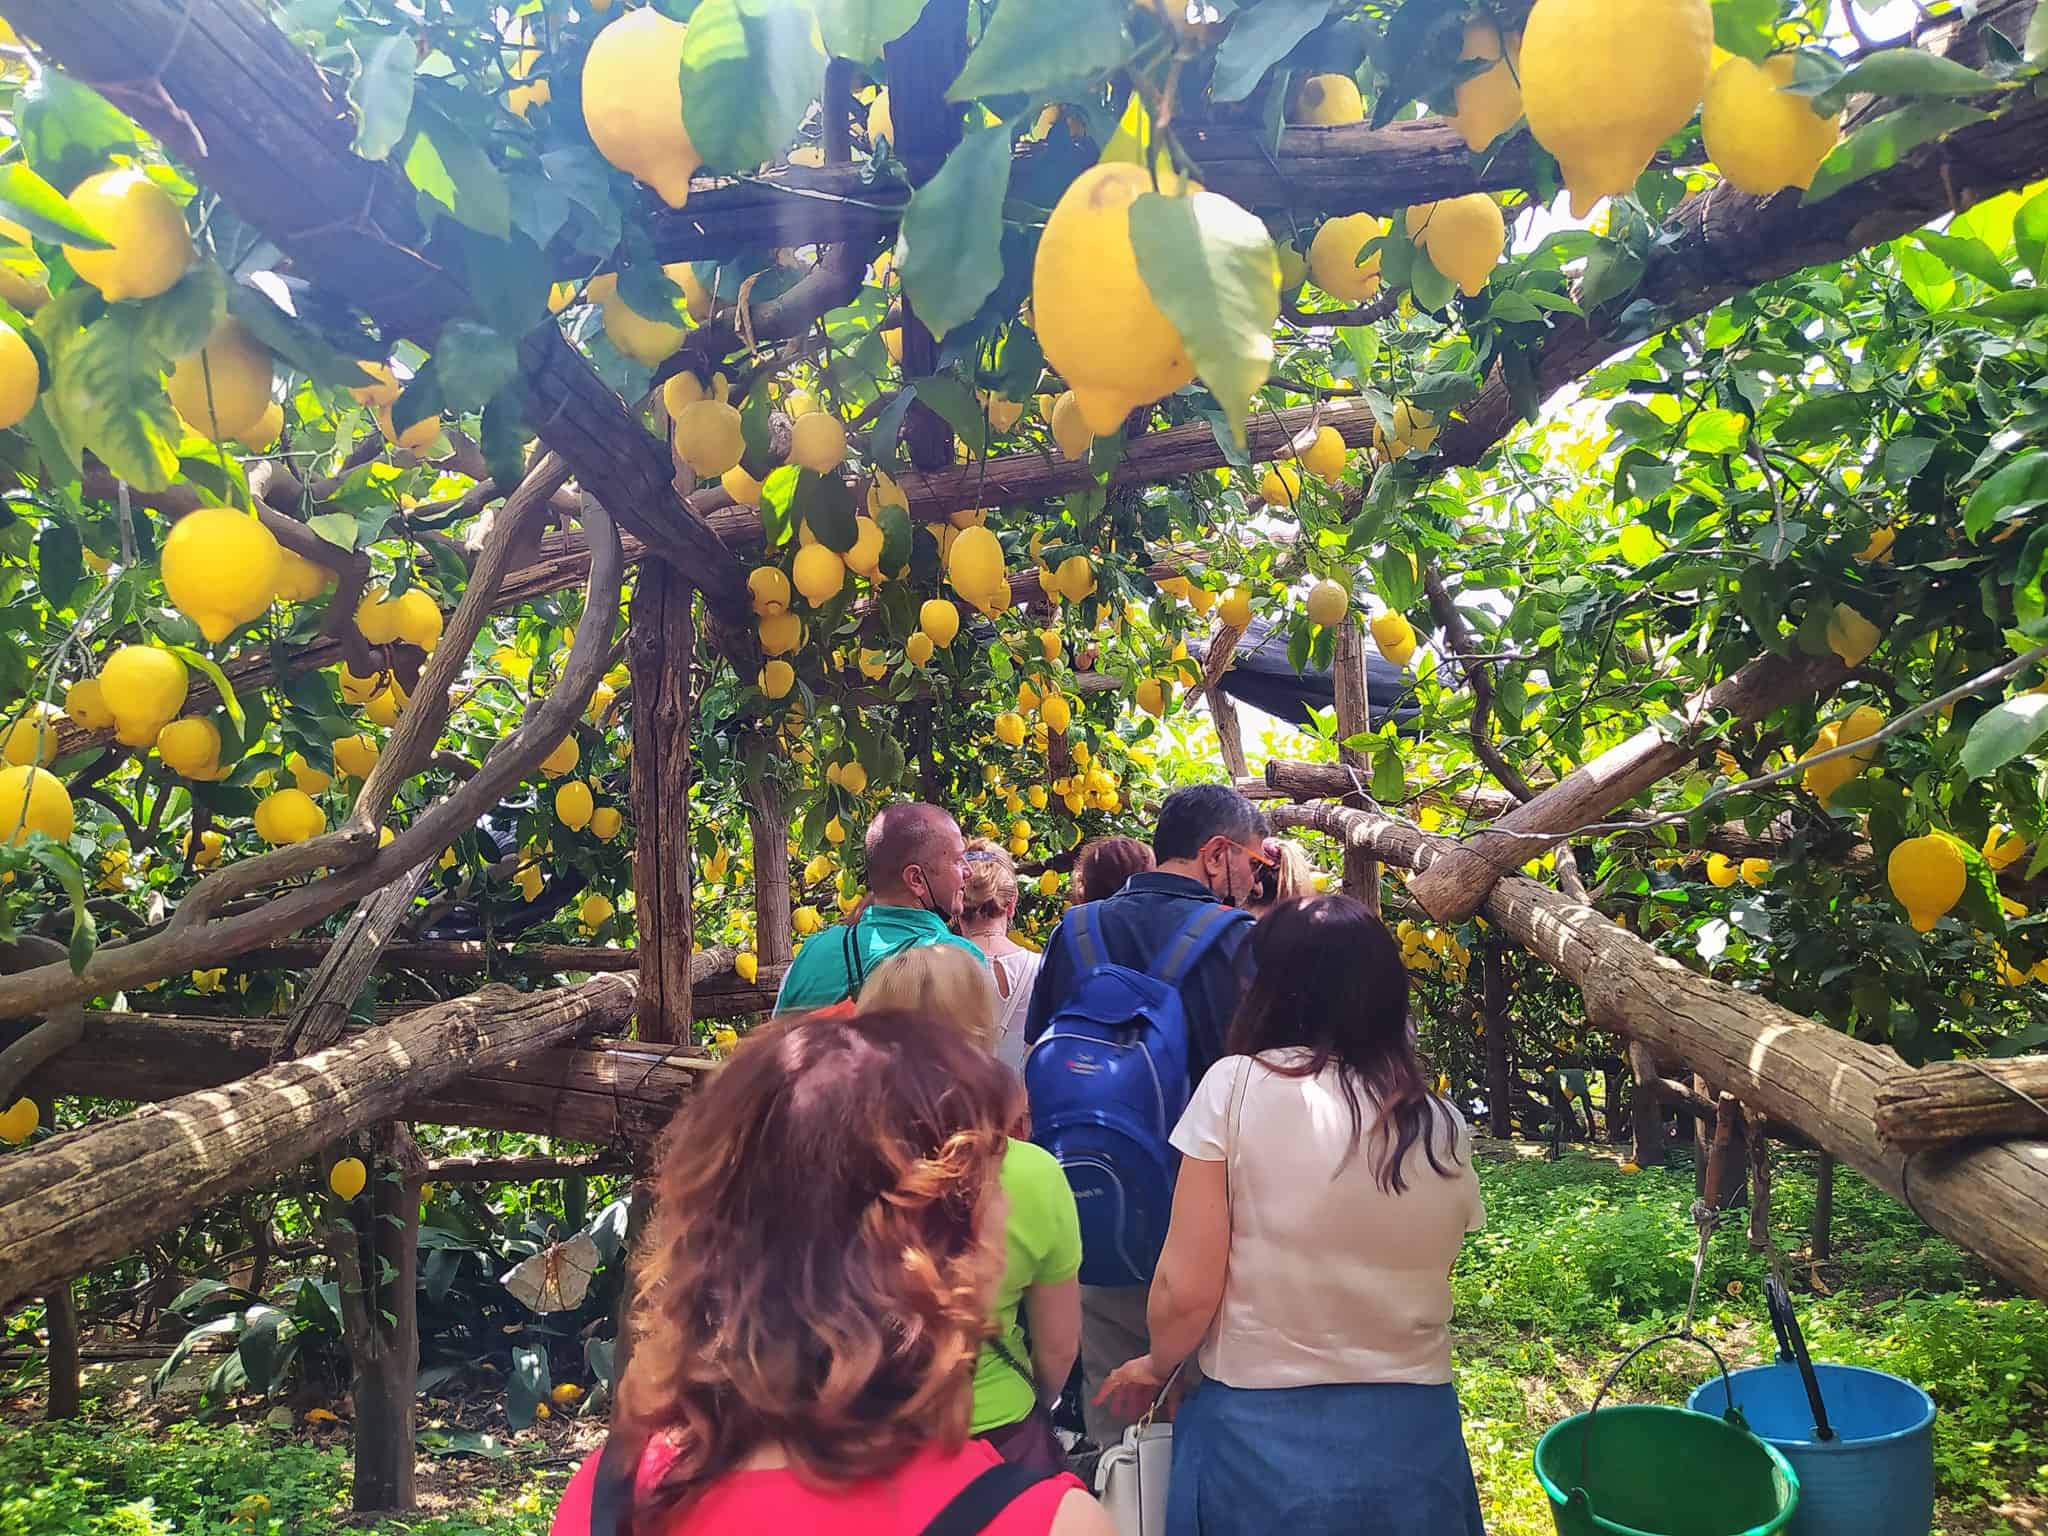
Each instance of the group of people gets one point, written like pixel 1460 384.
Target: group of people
pixel 1192 1146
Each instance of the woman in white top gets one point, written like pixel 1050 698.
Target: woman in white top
pixel 1323 1196
pixel 988 904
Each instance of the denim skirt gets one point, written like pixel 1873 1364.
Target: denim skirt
pixel 1346 1459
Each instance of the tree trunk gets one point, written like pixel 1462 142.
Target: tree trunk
pixel 660 650
pixel 1612 1075
pixel 91 1195
pixel 61 1319
pixel 321 1015
pixel 1824 1208
pixel 1645 1113
pixel 1759 1189
pixel 1354 718
pixel 1954 1101
pixel 1229 731
pixel 1500 1067
pixel 380 1312
pixel 768 820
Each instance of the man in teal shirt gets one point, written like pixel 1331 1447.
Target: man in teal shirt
pixel 917 869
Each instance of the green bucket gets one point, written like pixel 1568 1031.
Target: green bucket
pixel 1649 1470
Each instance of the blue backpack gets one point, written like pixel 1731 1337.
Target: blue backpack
pixel 1108 1080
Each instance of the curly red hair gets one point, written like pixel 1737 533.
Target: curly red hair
pixel 821 1259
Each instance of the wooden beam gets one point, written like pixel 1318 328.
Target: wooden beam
pixel 1958 1101
pixel 661 644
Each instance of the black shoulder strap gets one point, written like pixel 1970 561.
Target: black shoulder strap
pixel 856 974
pixel 974 1508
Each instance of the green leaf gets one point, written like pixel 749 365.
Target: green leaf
pixel 750 73
pixel 42 210
pixel 2030 587
pixel 63 865
pixel 2003 732
pixel 1877 146
pixel 825 506
pixel 1927 278
pixel 210 669
pixel 451 168
pixel 1968 254
pixel 1905 457
pixel 2019 487
pixel 381 93
pixel 1430 289
pixel 502 435
pixel 896 535
pixel 858 29
pixel 293 339
pixel 264 1347
pixel 178 321
pixel 1904 72
pixel 1211 268
pixel 1820 418
pixel 110 395
pixel 69 130
pixel 337 528
pixel 2017 307
pixel 951 254
pixel 2037 35
pixel 886 435
pixel 778 492
pixel 1611 270
pixel 1259 38
pixel 958 405
pixel 60 562
pixel 1639 544
pixel 1030 46
pixel 472 363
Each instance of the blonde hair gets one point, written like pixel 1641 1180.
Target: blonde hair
pixel 939 980
pixel 991 888
pixel 1295 879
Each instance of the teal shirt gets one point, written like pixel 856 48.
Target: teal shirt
pixel 827 969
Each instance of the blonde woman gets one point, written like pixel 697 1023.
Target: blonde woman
pixel 1016 1377
pixel 988 905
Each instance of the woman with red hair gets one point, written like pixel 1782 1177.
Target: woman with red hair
pixel 813 1290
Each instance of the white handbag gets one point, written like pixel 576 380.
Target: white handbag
pixel 1131 1479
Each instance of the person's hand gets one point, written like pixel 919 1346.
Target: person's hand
pixel 1131 1388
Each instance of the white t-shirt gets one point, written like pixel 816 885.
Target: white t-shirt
pixel 1331 1278
pixel 1014 975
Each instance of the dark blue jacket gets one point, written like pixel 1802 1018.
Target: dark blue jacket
pixel 1137 924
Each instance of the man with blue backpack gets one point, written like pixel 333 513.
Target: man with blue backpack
pixel 1131 1007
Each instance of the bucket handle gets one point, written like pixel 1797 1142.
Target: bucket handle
pixel 1732 1415
pixel 1792 1347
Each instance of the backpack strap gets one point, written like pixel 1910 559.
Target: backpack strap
pixel 974 1508
pixel 1209 923
pixel 1084 937
pixel 856 976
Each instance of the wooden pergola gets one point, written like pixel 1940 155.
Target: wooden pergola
pixel 230 1104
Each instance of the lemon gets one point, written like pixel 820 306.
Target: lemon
pixel 20 379
pixel 818 573
pixel 881 126
pixel 777 678
pixel 1236 610
pixel 1334 262
pixel 1722 870
pixel 918 648
pixel 1756 871
pixel 381 394
pixel 1823 779
pixel 190 748
pixel 781 633
pixel 32 799
pixel 872 665
pixel 416 618
pixel 742 487
pixel 20 1121
pixel 417 438
pixel 574 804
pixel 1864 721
pixel 605 822
pixel 220 568
pixel 1489 103
pixel 975 563
pixel 84 704
pixel 300 580
pixel 377 618
pixel 708 437
pixel 746 965
pixel 807 920
pixel 356 755
pixel 562 760
pixel 1076 578
pixel 1070 432
pixel 1414 431
pixel 1851 636
pixel 360 690
pixel 646 341
pixel 799 403
pixel 853 779
pixel 633 102
pixel 1394 636
pixel 1010 728
pixel 1463 237
pixel 1152 695
pixel 835 831
pixel 1056 712
pixel 892 343
pixel 1280 486
pixel 347 1177
pixel 1605 82
pixel 770 589
pixel 817 442
pixel 595 911
pixel 143 686
pixel 1096 319
pixel 2003 846
pixel 305 776
pixel 528 879
pixel 1927 874
pixel 1762 136
pixel 883 491
pixel 33 738
pixel 1002 414
pixel 1327 602
pixel 1880 545
pixel 939 621
pixel 148 246
pixel 288 816
pixel 1327 100
pixel 23 284
pixel 865 558
pixel 1324 458
pixel 223 389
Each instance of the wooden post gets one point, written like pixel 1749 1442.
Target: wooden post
pixel 768 820
pixel 1229 732
pixel 60 1316
pixel 1645 1114
pixel 1500 1106
pixel 1759 1186
pixel 376 1254
pixel 1824 1207
pixel 1354 718
pixel 660 649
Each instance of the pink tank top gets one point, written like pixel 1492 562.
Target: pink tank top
pixel 901 1504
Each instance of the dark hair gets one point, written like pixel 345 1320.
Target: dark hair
pixel 820 1265
pixel 1104 864
pixel 1191 816
pixel 1329 977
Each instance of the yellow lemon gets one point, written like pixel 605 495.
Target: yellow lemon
pixel 939 621
pixel 835 831
pixel 1851 636
pixel 23 279
pixel 1152 695
pixel 1327 602
pixel 853 779
pixel 1605 82
pixel 305 776
pixel 32 738
pixel 32 799
pixel 1280 486
pixel 1323 458
pixel 2003 846
pixel 223 389
pixel 709 438
pixel 1327 100
pixel 807 920
pixel 595 911
pixel 770 589
pixel 1463 237
pixel 417 438
pixel 633 102
pixel 84 704
pixel 865 558
pixel 360 690
pixel 288 816
pixel 1076 577
pixel 818 573
pixel 1334 262
pixel 881 126
pixel 646 341
pixel 148 246
pixel 574 804
pixel 1762 136
pixel 776 679
pixel 918 648
pixel 1056 712
pixel 19 1122
pixel 298 579
pixel 562 760
pixel 1489 103
pixel 605 823
pixel 1394 636
pixel 143 686
pixel 190 748
pixel 747 966
pixel 1927 875
pixel 416 618
pixel 1414 431
pixel 20 379
pixel 1880 545
pixel 1096 319
pixel 975 563
pixel 220 568
pixel 781 633
pixel 529 880
pixel 817 442
pixel 742 487
pixel 383 391
pixel 1756 871
pixel 1070 430
pixel 348 1177
pixel 1236 609
pixel 1010 728
pixel 356 755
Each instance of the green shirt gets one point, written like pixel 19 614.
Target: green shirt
pixel 832 964
pixel 1043 1239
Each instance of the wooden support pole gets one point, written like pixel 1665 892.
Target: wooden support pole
pixel 1354 718
pixel 375 1248
pixel 1960 1101
pixel 768 822
pixel 1500 1069
pixel 1759 1187
pixel 1229 731
pixel 1645 1113
pixel 660 651
pixel 322 1011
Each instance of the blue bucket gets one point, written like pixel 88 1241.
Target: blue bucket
pixel 1875 1478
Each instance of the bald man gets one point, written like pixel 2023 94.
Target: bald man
pixel 917 868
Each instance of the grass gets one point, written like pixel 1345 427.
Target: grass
pixel 1578 1262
